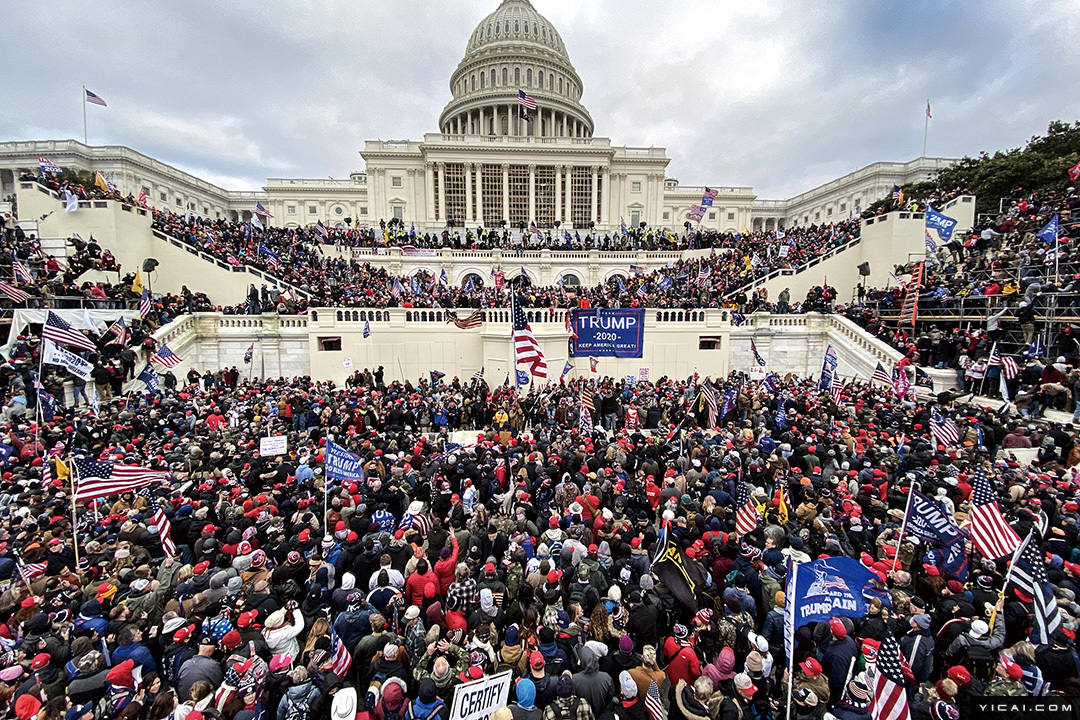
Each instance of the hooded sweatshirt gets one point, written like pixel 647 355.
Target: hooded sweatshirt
pixel 592 685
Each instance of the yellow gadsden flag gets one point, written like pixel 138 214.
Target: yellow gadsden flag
pixel 62 472
pixel 100 181
pixel 136 284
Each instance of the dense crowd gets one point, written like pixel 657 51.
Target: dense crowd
pixel 495 531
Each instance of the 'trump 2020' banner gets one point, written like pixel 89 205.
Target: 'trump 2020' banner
pixel 608 333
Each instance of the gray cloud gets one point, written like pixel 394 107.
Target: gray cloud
pixel 778 95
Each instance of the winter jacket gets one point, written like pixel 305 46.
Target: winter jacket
pixel 592 685
pixel 306 693
pixel 282 640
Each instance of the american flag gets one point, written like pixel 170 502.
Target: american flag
pixel 165 356
pixel 57 330
pixel 641 291
pixel 341 658
pixel 273 260
pixel 98 479
pixel 249 354
pixel 29 571
pixel 142 198
pixel 889 699
pixel 991 535
pixel 117 332
pixel 594 363
pixel 881 375
pixel 653 703
pixel 709 196
pixel 478 375
pixel 897 193
pixel 526 349
pixel 525 100
pixel 703 274
pixel 475 319
pixel 837 387
pixel 21 271
pixel 708 393
pixel 943 429
pixel 1009 368
pixel 757 356
pixel 1029 575
pixel 260 210
pixel 13 292
pixel 585 422
pixel 586 396
pixel 746 516
pixel 397 290
pixel 144 304
pixel 321 230
pixel 48 166
pixel 165 533
pixel 94 99
pixel 696 211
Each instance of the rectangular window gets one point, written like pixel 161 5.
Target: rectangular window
pixel 162 196
pixel 179 202
pixel 580 196
pixel 635 218
pixel 712 216
pixel 395 181
pixel 635 187
pixel 843 207
pixel 817 216
pixel 290 209
pixel 492 191
pixel 363 210
pixel 828 213
pixel 709 343
pixel 545 196
pixel 330 344
pixel 518 193
pixel 667 216
pixel 399 212
pixel 454 187
pixel 731 216
pixel 435 190
pixel 312 209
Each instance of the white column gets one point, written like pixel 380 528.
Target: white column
pixel 429 191
pixel 506 191
pixel 482 129
pixel 468 193
pixel 592 203
pixel 442 193
pixel 479 190
pixel 510 120
pixel 558 192
pixel 532 193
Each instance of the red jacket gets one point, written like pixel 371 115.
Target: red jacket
pixel 414 586
pixel 684 665
pixel 444 569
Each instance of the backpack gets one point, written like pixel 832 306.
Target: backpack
pixel 297 709
pixel 563 714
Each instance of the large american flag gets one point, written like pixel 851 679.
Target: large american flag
pixel 889 699
pixel 1029 575
pixel 165 356
pixel 943 429
pixel 1009 368
pixel 746 517
pixel 837 387
pixel 165 533
pixel 475 319
pixel 757 356
pixel 29 571
pixel 145 306
pixel 992 536
pixel 340 657
pixel 881 375
pixel 118 332
pixel 13 292
pixel 526 100
pixel 57 330
pixel 98 479
pixel 708 393
pixel 22 272
pixel 526 349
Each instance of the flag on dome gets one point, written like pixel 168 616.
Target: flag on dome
pixel 526 100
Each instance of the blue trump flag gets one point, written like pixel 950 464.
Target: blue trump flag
pixel 342 464
pixel 826 588
pixel 1049 233
pixel 522 377
pixel 929 521
pixel 149 378
pixel 940 222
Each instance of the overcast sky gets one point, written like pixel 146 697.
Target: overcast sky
pixel 782 96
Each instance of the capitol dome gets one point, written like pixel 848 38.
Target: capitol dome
pixel 515 48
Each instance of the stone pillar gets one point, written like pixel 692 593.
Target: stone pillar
pixel 564 130
pixel 510 120
pixel 479 191
pixel 442 193
pixel 558 192
pixel 429 190
pixel 592 202
pixel 506 191
pixel 532 193
pixel 481 130
pixel 468 193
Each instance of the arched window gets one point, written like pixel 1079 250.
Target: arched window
pixel 517 27
pixel 363 315
pixel 571 279
pixel 551 82
pixel 536 30
pixel 528 77
pixel 517 76
pixel 496 28
pixel 540 79
pixel 492 77
pixel 478 282
pixel 483 78
pixel 507 26
pixel 474 81
pixel 506 80
pixel 408 316
pixel 489 31
pixel 543 33
pixel 560 85
pixel 339 316
pixel 314 316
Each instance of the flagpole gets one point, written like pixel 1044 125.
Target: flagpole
pixel 903 525
pixel 85 141
pixel 74 525
pixel 789 607
pixel 1009 572
pixel 986 370
pixel 926 128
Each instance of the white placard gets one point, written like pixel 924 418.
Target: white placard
pixel 478 699
pixel 757 373
pixel 346 363
pixel 276 445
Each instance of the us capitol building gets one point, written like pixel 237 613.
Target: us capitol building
pixel 488 164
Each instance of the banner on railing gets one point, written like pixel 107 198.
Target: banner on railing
pixel 608 332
